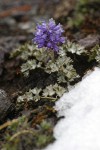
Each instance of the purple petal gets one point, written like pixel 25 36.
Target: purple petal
pixel 51 23
pixel 49 35
pixel 62 39
pixel 49 45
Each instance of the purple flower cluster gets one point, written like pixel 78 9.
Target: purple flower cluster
pixel 49 35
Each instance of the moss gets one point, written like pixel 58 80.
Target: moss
pixel 82 9
pixel 20 135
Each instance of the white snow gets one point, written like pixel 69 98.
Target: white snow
pixel 80 129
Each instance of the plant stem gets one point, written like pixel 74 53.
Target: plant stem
pixel 51 98
pixel 20 133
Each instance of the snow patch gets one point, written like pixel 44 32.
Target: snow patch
pixel 80 129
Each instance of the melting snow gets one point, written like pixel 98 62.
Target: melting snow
pixel 80 129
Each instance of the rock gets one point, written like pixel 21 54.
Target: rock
pixel 90 41
pixel 1 61
pixel 25 26
pixel 1 70
pixel 1 56
pixel 5 105
pixel 9 21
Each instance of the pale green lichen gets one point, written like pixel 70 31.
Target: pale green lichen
pixel 51 92
pixel 65 73
pixel 32 94
pixel 30 65
pixel 24 51
pixel 45 59
pixel 94 54
pixel 74 48
pixel 61 65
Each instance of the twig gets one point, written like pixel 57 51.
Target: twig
pixel 20 133
pixel 8 123
pixel 51 98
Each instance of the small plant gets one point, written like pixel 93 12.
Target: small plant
pixel 19 134
pixel 52 56
pixel 56 59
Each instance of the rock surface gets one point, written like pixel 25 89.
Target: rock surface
pixel 90 41
pixel 5 105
